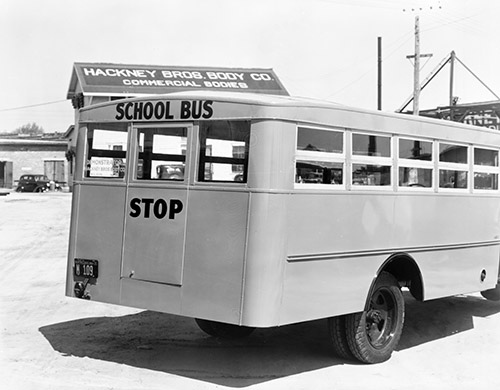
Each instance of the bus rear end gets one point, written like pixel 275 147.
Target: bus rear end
pixel 160 215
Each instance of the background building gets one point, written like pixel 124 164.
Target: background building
pixel 44 155
pixel 485 114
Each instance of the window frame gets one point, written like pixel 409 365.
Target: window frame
pixel 201 160
pixel 357 159
pixel 450 166
pixel 418 164
pixel 90 152
pixel 488 169
pixel 180 158
pixel 135 150
pixel 320 157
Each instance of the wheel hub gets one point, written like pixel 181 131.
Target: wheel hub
pixel 380 319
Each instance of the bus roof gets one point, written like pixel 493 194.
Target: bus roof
pixel 238 105
pixel 230 97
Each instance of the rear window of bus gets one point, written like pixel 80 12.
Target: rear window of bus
pixel 224 149
pixel 106 151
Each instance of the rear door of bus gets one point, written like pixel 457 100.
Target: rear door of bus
pixel 156 204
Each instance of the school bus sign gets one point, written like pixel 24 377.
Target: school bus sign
pixel 119 79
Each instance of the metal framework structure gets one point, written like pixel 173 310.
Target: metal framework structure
pixel 486 114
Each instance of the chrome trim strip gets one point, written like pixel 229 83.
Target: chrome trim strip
pixel 389 251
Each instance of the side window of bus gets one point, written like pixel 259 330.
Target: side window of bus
pixel 224 147
pixel 106 151
pixel 162 153
pixel 371 160
pixel 485 169
pixel 319 156
pixel 453 166
pixel 415 163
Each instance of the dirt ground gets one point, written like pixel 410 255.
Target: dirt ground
pixel 50 341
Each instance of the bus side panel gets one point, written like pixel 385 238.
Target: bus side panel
pixel 339 222
pixel 271 167
pixel 464 221
pixel 353 222
pixel 453 272
pixel 99 229
pixel 333 224
pixel 335 242
pixel 214 255
pixel 325 288
pixel 444 219
pixel 265 263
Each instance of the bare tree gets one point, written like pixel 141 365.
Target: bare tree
pixel 29 129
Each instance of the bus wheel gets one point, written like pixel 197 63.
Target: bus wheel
pixel 338 337
pixel 492 294
pixel 222 330
pixel 374 333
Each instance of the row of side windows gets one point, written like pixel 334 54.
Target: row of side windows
pixel 349 159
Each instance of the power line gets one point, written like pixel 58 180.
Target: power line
pixel 451 20
pixel 364 3
pixel 32 105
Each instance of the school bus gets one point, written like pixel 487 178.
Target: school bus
pixel 243 210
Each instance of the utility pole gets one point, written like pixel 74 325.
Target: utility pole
pixel 379 84
pixel 416 66
pixel 417 55
pixel 416 70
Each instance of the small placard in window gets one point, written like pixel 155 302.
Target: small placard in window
pixel 106 167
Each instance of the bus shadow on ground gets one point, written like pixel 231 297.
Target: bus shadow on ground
pixel 175 345
pixel 440 318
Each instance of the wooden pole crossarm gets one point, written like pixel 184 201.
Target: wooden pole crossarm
pixel 426 81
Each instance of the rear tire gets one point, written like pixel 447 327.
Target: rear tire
pixel 222 330
pixel 338 337
pixel 373 334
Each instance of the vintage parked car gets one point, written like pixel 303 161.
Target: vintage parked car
pixel 36 183
pixel 170 172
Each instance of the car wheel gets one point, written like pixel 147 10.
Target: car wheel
pixel 374 333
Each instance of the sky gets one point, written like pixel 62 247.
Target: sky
pixel 322 49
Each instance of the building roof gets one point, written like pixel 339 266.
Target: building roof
pixel 9 139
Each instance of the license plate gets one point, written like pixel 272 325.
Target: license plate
pixel 86 268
